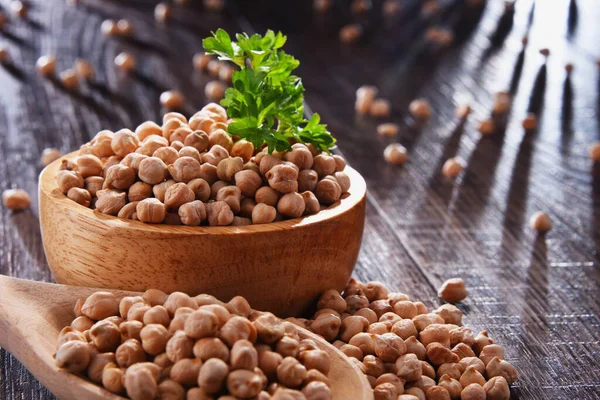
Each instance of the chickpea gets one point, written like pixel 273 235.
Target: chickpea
pixel 162 12
pixel 267 162
pixel 328 191
pixel 356 302
pixel 88 165
pixel 178 321
pixel 207 348
pixel 200 61
pixel 351 33
pixel 332 299
pixel 113 377
pixel 324 165
pixel 374 366
pixel 489 352
pixel 467 362
pixel 146 129
pixel 388 129
pixel 151 144
pixel 130 352
pixel 237 328
pixel 215 187
pixel 212 376
pixel 178 195
pixel 243 356
pixel 198 140
pixel 97 363
pixel 409 367
pixel 287 346
pixel 473 391
pixel 541 222
pixel 452 370
pixel 105 335
pixel 380 108
pixel 152 170
pixel 125 62
pixel 419 109
pixel 201 323
pixel 283 178
pixel 128 211
pixel 68 179
pixel 82 323
pixel 219 213
pixel 497 388
pixel 291 205
pixel 365 342
pixel 139 191
pixel 486 126
pixel 365 95
pixel 438 354
pixel 435 333
pixel 453 290
pixel 119 177
pixel 462 111
pixel 46 65
pixel 307 180
pixel 450 313
pixel 498 367
pixel 311 204
pixel 247 181
pixel 126 303
pixel 501 103
pixel 170 389
pixel 137 311
pixel 244 149
pixel 178 134
pixel 480 341
pixel 179 346
pixel 177 300
pixel 130 329
pixel 186 371
pixel 229 167
pixel 172 99
pixel 78 195
pixel 74 356
pixel 472 375
pixel 463 350
pixel 385 391
pixel 221 138
pixel 315 359
pixel 100 305
pixel 140 383
pixel 395 153
pixel 351 326
pixel 290 372
pixel 192 213
pixel 84 70
pixel 49 155
pixel 267 196
pixel 151 211
pixel 214 90
pixel 185 169
pixel 124 142
pixel 244 383
pixel 18 199
pixel 404 328
pixel 594 151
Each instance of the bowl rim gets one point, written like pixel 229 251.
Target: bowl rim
pixel 49 188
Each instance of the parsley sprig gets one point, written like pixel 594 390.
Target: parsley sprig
pixel 266 100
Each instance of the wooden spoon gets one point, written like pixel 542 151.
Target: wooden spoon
pixel 33 313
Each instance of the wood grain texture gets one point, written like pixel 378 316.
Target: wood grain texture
pixel 34 313
pixel 87 248
pixel 535 295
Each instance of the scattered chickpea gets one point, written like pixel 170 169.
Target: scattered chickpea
pixel 125 61
pixel 4 56
pixel 380 108
pixel 109 28
pixel 530 122
pixel 486 127
pixel 19 8
pixel 501 103
pixel 545 52
pixel 151 211
pixel 388 129
pixel 125 27
pixel 84 70
pixel 453 167
pixel 16 199
pixel 462 111
pixel 172 99
pixel 594 151
pixel 200 61
pixel 351 33
pixel 453 290
pixel 214 90
pixel 46 65
pixel 162 12
pixel 419 109
pixel 541 222
pixel 395 153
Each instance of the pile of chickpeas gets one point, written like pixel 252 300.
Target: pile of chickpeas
pixel 192 172
pixel 181 347
pixel 408 352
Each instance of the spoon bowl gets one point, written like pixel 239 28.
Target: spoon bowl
pixel 33 313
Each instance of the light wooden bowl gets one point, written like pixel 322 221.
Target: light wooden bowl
pixel 281 267
pixel 33 313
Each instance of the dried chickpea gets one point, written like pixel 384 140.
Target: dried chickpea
pixel 324 165
pixel 266 195
pixel 374 366
pixel 247 181
pixel 453 290
pixel 18 199
pixel 263 214
pixel 594 151
pixel 152 170
pixel 151 211
pixel 113 377
pixel 364 341
pixel 333 300
pixel 291 372
pixel 139 191
pixel 365 95
pixel 490 351
pixel 79 196
pixel 105 335
pixel 177 195
pixel 413 393
pixel 497 388
pixel 172 99
pixel 198 140
pixel 49 155
pixel 186 371
pixel 351 326
pixel 351 33
pixel 244 384
pixel 450 313
pixel 68 79
pixel 229 167
pixel 130 329
pixel 124 142
pixel 137 311
pixel 471 375
pixel 311 204
pixel 467 362
pixel 46 65
pixel 207 348
pixel 328 191
pixel 501 103
pixel 100 305
pixel 74 356
pixel 405 328
pixel 185 169
pixel 300 156
pixel 119 177
pixel 388 129
pixel 146 129
pixel 140 383
pixel 453 167
pixel 125 61
pixel 170 389
pixel 200 61
pixel 462 350
pixel 212 375
pixel 69 179
pixel 214 90
pixel 530 122
pixel 419 109
pixel 541 222
pixel 435 333
pixel 317 390
pixel 130 352
pixel 473 391
pixel 395 153
pixel 486 127
pixel 498 367
pixel 291 205
pixel 380 108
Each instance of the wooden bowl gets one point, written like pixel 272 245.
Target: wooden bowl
pixel 281 267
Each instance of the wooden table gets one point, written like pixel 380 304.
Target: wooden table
pixel 536 295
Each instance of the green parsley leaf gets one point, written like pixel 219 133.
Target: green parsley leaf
pixel 265 101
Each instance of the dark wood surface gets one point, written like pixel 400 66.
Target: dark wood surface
pixel 536 295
